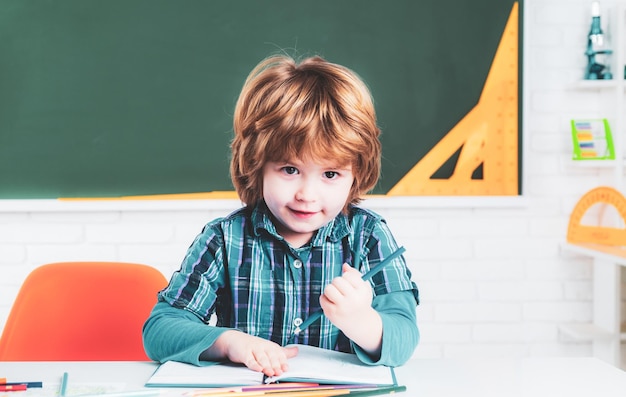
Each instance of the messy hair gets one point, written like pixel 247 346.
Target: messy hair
pixel 313 109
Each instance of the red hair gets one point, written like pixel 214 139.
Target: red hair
pixel 313 109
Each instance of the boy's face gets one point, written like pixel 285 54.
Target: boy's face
pixel 304 196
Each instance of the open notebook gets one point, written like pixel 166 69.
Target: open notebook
pixel 312 364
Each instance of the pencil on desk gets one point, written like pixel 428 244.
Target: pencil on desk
pixel 326 392
pixel 63 388
pixel 128 393
pixel 313 391
pixel 378 391
pixel 13 387
pixel 28 384
pixel 267 387
pixel 368 275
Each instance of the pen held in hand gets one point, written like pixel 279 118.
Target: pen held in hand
pixel 366 277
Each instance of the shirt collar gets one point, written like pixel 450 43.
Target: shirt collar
pixel 334 230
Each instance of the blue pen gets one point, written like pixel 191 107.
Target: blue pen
pixel 318 314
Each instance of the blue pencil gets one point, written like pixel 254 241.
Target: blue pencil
pixel 28 384
pixel 318 314
pixel 63 388
pixel 378 391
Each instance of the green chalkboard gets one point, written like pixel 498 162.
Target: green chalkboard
pixel 133 97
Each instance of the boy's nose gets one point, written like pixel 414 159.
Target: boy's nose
pixel 306 192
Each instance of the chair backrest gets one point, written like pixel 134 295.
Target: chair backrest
pixel 81 311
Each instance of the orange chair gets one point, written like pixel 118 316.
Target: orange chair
pixel 81 311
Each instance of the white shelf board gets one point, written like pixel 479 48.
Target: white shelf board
pixel 587 251
pixel 569 162
pixel 585 331
pixel 597 84
pixel 589 332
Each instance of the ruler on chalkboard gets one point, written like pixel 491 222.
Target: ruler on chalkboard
pixel 485 139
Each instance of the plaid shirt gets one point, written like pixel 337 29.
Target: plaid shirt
pixel 242 270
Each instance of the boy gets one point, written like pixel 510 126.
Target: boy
pixel 305 150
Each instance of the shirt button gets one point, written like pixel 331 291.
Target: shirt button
pixel 297 263
pixel 297 322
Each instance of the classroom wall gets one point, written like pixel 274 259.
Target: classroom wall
pixel 493 278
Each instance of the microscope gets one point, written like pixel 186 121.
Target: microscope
pixel 598 67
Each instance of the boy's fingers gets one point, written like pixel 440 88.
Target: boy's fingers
pixel 352 276
pixel 332 293
pixel 291 351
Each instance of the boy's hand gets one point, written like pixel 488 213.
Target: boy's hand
pixel 347 302
pixel 256 353
pixel 347 299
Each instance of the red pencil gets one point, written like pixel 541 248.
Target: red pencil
pixel 13 387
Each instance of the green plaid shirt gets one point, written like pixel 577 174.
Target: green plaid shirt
pixel 242 270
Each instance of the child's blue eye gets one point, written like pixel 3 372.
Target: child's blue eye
pixel 290 170
pixel 330 174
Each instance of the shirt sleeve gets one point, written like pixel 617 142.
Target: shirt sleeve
pixel 176 334
pixel 400 331
pixel 395 294
pixel 194 287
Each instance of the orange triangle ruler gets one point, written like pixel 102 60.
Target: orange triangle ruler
pixel 487 136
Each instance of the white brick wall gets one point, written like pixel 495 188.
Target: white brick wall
pixel 493 279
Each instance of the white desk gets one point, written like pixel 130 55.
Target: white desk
pixel 532 377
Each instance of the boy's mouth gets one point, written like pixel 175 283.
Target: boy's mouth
pixel 302 214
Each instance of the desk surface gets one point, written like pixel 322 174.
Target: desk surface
pixel 532 377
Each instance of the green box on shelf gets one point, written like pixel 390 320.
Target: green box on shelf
pixel 592 139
